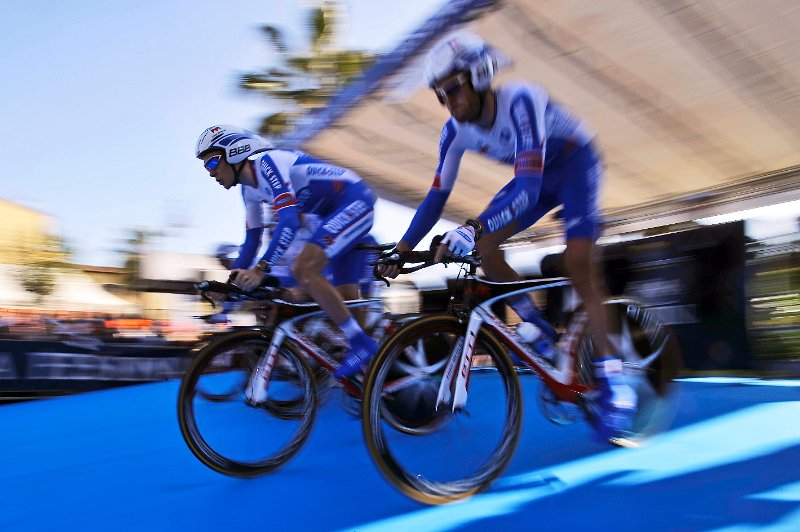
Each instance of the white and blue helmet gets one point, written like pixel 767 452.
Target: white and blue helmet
pixel 463 52
pixel 237 143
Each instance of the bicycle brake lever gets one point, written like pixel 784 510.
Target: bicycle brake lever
pixel 379 276
pixel 204 295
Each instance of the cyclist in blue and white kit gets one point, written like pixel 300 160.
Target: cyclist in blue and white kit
pixel 352 276
pixel 555 163
pixel 294 184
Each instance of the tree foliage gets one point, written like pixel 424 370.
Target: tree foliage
pixel 136 244
pixel 305 79
pixel 41 266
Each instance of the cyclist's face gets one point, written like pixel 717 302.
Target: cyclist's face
pixel 455 92
pixel 216 165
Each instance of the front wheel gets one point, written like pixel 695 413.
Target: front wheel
pixel 225 431
pixel 437 455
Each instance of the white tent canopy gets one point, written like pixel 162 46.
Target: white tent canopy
pixel 12 294
pixel 695 105
pixel 74 290
pixel 77 291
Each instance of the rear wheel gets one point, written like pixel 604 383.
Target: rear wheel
pixel 651 358
pixel 440 455
pixel 227 433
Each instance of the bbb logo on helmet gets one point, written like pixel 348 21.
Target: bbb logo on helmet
pixel 238 151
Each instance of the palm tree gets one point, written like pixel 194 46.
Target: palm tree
pixel 136 245
pixel 306 79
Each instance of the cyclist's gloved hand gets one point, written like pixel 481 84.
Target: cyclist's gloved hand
pixel 246 279
pixel 435 241
pixel 389 265
pixel 457 243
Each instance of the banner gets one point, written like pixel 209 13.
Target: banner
pixel 694 280
pixel 65 367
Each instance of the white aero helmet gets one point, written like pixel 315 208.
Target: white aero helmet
pixel 462 52
pixel 237 143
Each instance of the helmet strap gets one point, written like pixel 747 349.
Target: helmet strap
pixel 481 103
pixel 486 121
pixel 481 96
pixel 237 170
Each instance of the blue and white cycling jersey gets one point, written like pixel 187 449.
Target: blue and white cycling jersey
pixel 293 183
pixel 353 268
pixel 530 132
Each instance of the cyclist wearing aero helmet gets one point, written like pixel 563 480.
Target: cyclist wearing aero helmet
pixel 555 163
pixel 295 184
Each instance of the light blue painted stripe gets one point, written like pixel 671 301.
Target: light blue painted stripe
pixel 712 443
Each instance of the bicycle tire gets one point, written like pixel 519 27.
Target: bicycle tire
pixel 302 407
pixel 413 483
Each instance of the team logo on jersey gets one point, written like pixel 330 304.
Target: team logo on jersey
pixel 349 215
pixel 283 200
pixel 519 205
pixel 273 178
pixel 285 238
pixel 528 161
pixel 324 171
pixel 521 113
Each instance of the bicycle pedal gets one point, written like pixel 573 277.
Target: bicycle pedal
pixel 555 411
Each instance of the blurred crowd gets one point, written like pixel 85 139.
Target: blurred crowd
pixel 31 324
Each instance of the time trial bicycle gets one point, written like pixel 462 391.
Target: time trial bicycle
pixel 475 397
pixel 249 398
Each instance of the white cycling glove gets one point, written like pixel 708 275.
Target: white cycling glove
pixel 460 241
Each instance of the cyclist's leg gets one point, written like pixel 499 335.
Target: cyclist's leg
pixel 579 259
pixel 617 400
pixel 282 270
pixel 336 236
pixel 369 287
pixel 581 176
pixel 493 260
pixel 351 274
pixel 496 267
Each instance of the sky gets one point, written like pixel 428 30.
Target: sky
pixel 102 103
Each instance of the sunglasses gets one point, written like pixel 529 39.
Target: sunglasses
pixel 451 88
pixel 212 163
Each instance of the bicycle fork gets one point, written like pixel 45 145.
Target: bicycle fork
pixel 453 388
pixel 257 386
